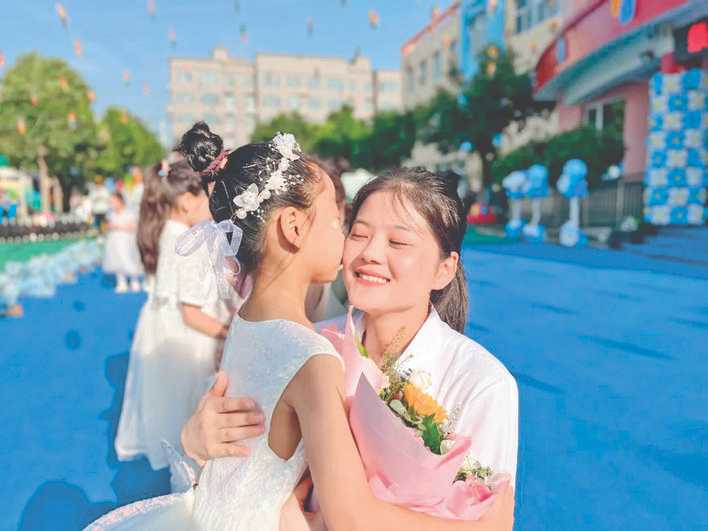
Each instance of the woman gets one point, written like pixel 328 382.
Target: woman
pixel 407 231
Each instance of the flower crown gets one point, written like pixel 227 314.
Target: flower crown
pixel 251 198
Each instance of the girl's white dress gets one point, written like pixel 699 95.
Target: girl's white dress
pixel 236 494
pixel 122 255
pixel 171 364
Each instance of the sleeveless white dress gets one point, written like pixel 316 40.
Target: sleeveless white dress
pixel 236 494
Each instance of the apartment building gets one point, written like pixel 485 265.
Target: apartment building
pixel 234 94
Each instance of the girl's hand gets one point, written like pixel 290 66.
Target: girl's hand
pixel 220 423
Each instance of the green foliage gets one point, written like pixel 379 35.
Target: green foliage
pixel 485 106
pixel 52 101
pixel 600 149
pixel 127 142
pixel 305 132
pixel 383 143
pixel 432 438
pixel 54 104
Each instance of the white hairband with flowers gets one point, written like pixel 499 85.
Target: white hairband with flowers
pixel 251 198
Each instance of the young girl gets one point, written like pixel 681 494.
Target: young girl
pixel 407 229
pixel 180 330
pixel 121 256
pixel 286 220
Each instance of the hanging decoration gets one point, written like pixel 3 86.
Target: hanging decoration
pixel 124 117
pixel 373 19
pixel 2 59
pixel 435 12
pixel 21 126
pixel 91 95
pixel 237 6
pixel 71 120
pixel 244 34
pixel 63 15
pixel 151 8
pixel 310 26
pixel 63 83
pixel 172 37
pixel 34 100
pixel 78 49
pixel 146 89
pixel 126 76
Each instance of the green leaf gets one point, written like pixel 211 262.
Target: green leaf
pixel 432 438
pixel 362 349
pixel 398 407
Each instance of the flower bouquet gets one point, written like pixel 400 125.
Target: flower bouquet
pixel 407 442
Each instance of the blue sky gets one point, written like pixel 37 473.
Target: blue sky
pixel 120 34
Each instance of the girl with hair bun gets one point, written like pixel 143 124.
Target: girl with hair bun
pixel 180 330
pixel 277 211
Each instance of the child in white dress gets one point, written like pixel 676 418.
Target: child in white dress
pixel 122 258
pixel 180 331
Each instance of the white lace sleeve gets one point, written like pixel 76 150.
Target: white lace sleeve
pixel 194 278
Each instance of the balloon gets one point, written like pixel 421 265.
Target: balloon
pixel 244 34
pixel 172 36
pixel 310 26
pixel 373 19
pixel 34 99
pixel 71 119
pixel 146 89
pixel 151 8
pixel 91 95
pixel 77 48
pixel 126 76
pixel 2 59
pixel 63 83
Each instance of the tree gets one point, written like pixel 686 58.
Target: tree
pixel 128 142
pixel 600 149
pixel 483 108
pixel 46 122
pixel 342 136
pixel 390 140
pixel 305 132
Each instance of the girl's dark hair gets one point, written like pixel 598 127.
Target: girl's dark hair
pixel 159 195
pixel 437 202
pixel 119 196
pixel 247 165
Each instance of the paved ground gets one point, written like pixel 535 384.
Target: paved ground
pixel 608 348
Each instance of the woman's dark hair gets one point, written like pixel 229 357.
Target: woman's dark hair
pixel 159 195
pixel 247 165
pixel 437 202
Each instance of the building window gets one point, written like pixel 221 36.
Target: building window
pixel 437 66
pixel 184 76
pixel 293 102
pixel 229 101
pixel 606 115
pixel 314 83
pixel 183 97
pixel 410 78
pixel 209 78
pixel 293 82
pixel 334 105
pixel 210 99
pixel 314 103
pixel 271 80
pixel 231 80
pixel 423 72
pixel 352 85
pixel 532 12
pixel 335 84
pixel 211 119
pixel 271 101
pixel 250 104
pixel 186 118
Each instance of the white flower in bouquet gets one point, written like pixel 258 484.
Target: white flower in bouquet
pixel 421 379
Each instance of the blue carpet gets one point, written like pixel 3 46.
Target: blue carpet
pixel 607 347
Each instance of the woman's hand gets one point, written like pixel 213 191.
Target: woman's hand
pixel 500 516
pixel 220 423
pixel 294 517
